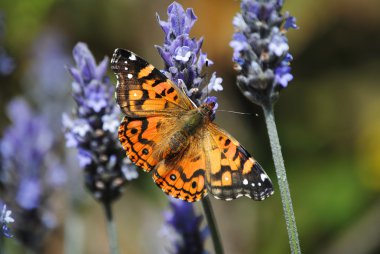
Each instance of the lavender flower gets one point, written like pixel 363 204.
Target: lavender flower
pixel 6 62
pixel 46 78
pixel 30 173
pixel 45 83
pixel 183 229
pixel 183 56
pixel 5 218
pixel 93 128
pixel 261 49
pixel 262 61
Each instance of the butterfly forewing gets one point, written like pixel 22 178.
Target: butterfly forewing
pixel 142 90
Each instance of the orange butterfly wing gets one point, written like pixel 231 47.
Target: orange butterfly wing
pixel 215 160
pixel 142 90
pixel 182 174
pixel 137 137
pixel 149 100
pixel 233 172
pixel 183 178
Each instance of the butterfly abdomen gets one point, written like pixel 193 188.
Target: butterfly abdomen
pixel 177 143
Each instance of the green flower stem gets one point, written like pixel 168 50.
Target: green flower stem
pixel 74 232
pixel 112 236
pixel 282 180
pixel 207 208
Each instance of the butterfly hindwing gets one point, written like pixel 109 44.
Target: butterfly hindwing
pixel 145 138
pixel 142 90
pixel 137 137
pixel 234 173
pixel 183 177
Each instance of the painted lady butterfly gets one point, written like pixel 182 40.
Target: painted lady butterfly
pixel 165 132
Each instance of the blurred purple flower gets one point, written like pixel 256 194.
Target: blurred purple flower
pixel 46 77
pixel 7 64
pixel 261 49
pixel 93 128
pixel 183 229
pixel 183 56
pixel 5 219
pixel 30 173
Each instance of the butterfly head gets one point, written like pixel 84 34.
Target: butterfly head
pixel 209 107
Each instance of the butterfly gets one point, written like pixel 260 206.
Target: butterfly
pixel 163 131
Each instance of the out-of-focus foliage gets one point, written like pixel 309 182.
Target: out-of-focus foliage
pixel 328 119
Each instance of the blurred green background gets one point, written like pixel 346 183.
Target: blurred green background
pixel 328 121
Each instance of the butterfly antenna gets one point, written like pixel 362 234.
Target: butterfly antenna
pixel 236 112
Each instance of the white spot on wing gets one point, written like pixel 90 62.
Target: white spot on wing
pixel 129 76
pixel 132 57
pixel 253 184
pixel 263 177
pixel 126 68
pixel 259 184
pixel 245 181
pixel 125 62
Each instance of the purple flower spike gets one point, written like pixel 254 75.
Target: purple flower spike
pixel 183 57
pixel 261 49
pixel 183 229
pixel 179 21
pixel 29 169
pixel 46 75
pixel 93 128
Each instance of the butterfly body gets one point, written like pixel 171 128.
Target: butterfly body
pixel 164 132
pixel 193 122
